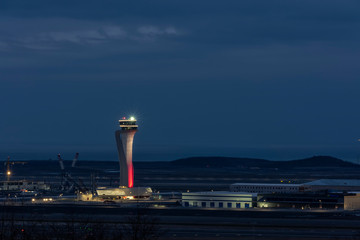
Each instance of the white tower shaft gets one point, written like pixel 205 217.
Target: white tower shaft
pixel 124 141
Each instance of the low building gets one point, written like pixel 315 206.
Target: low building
pixel 352 202
pixel 85 197
pixel 23 185
pixel 301 200
pixel 219 199
pixel 124 192
pixel 265 187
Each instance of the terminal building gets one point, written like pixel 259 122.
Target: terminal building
pixel 319 194
pixel 218 199
pixel 342 185
pixel 329 185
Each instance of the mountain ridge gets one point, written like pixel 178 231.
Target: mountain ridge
pixel 211 162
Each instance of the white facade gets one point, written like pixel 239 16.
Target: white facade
pixel 265 188
pixel 124 141
pixel 352 202
pixel 218 199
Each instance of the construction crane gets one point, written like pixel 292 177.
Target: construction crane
pixel 64 182
pixel 75 159
pixel 61 162
pixel 67 182
pixel 8 170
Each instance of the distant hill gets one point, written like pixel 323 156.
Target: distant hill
pixel 220 162
pixel 316 161
pixel 226 162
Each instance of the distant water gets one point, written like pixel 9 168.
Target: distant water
pixel 166 154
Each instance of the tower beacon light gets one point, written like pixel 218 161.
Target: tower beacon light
pixel 124 140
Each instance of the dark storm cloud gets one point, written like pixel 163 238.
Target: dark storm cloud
pixel 284 75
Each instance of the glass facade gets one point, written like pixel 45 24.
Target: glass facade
pixel 127 122
pixel 128 125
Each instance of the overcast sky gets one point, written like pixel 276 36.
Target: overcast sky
pixel 269 79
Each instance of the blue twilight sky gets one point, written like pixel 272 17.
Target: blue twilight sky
pixel 258 78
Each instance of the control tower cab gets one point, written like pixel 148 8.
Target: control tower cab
pixel 124 140
pixel 128 124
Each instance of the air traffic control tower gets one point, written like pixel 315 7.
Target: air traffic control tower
pixel 124 140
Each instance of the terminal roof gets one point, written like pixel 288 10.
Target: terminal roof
pixel 268 184
pixel 335 182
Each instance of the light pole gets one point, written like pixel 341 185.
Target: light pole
pixel 8 172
